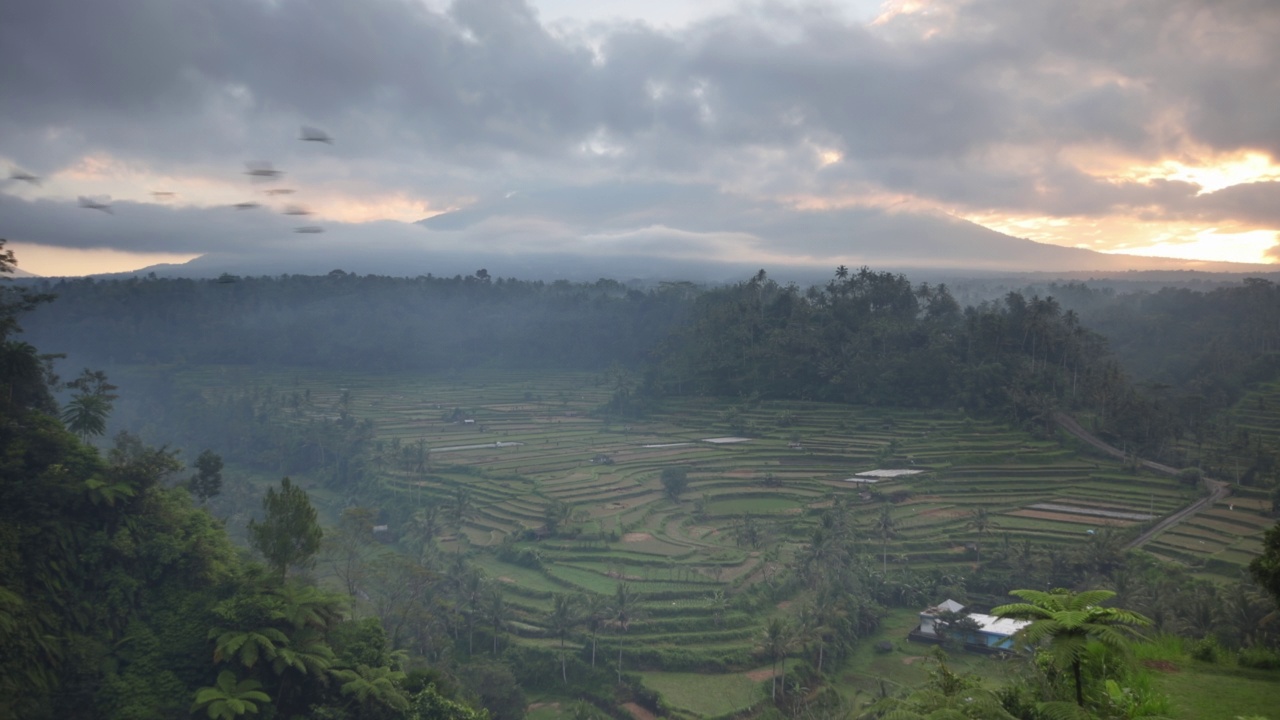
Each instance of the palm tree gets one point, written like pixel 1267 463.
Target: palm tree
pixel 470 594
pixel 229 698
pixel 719 605
pixel 982 524
pixel 563 619
pixel 811 629
pixel 595 611
pixel 625 608
pixel 86 415
pixel 496 612
pixel 779 637
pixel 462 507
pixel 1068 621
pixel 885 526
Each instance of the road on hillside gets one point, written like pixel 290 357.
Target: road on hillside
pixel 1217 488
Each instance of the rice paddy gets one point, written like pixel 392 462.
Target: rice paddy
pixel 522 445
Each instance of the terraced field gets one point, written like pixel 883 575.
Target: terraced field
pixel 518 443
pixel 1224 539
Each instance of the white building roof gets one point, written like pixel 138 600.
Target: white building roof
pixel 998 625
pixel 947 605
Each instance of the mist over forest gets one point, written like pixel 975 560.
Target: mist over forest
pixel 622 360
pixel 360 496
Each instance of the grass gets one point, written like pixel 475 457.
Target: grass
pixel 1202 690
pixel 869 671
pixel 706 695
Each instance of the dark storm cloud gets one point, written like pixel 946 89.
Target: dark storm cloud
pixel 483 99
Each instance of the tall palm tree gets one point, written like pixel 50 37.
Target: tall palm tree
pixel 496 611
pixel 471 594
pixel 1068 621
pixel 625 608
pixel 981 523
pixel 462 509
pixel 778 640
pixel 595 611
pixel 563 619
pixel 885 526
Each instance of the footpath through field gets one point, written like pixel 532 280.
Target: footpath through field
pixel 1217 488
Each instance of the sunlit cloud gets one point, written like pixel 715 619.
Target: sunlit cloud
pixel 1134 236
pixel 51 261
pixel 1211 174
pixel 1210 244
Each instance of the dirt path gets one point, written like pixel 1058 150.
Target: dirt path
pixel 1217 488
pixel 638 712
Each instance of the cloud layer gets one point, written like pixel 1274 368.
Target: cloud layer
pixel 758 132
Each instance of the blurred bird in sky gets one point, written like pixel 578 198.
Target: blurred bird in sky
pixel 311 134
pixel 246 206
pixel 309 229
pixel 163 194
pixel 262 171
pixel 278 191
pixel 89 203
pixel 296 210
pixel 23 176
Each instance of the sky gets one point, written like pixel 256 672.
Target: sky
pixel 808 133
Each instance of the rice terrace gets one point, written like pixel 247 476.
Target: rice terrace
pixel 559 499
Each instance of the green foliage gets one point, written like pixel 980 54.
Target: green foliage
pixel 1265 568
pixel 496 689
pixel 374 686
pixel 1259 657
pixel 1067 622
pixel 675 480
pixel 207 482
pixel 230 698
pixel 289 533
pixel 429 704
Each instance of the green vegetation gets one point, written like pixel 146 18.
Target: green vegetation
pixel 783 488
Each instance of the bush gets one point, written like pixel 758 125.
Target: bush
pixel 1207 650
pixel 1259 658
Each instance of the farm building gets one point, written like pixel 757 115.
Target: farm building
pixel 929 616
pixel 986 631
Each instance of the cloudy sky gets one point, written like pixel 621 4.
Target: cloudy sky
pixel 757 132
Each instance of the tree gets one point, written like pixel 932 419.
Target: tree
pixel 625 608
pixel 374 686
pixel 885 526
pixel 1265 568
pixel 496 611
pixel 86 413
pixel 674 481
pixel 779 637
pixel 86 416
pixel 982 524
pixel 207 482
pixel 346 548
pixel 289 534
pixel 595 611
pixel 1068 621
pixel 462 508
pixel 230 698
pixel 556 516
pixel 563 619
